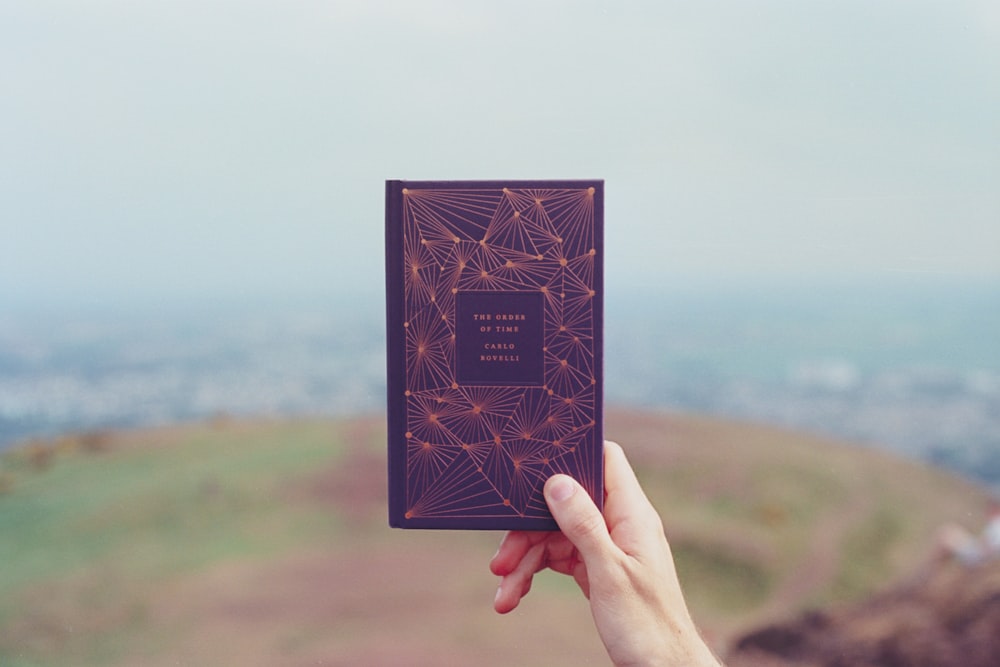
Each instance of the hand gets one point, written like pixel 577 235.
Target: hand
pixel 621 561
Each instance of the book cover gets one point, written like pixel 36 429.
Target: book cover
pixel 494 316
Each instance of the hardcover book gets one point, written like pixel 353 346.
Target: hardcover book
pixel 494 316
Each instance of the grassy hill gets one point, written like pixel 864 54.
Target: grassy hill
pixel 266 543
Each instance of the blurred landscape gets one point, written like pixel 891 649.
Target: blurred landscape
pixel 913 367
pixel 207 485
pixel 262 542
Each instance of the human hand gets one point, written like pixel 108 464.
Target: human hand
pixel 621 561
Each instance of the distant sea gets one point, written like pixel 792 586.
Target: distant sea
pixel 911 368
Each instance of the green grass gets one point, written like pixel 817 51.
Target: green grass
pixel 722 579
pixel 95 530
pixel 157 509
pixel 867 552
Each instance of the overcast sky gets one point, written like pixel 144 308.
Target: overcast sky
pixel 182 149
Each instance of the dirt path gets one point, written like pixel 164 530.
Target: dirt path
pixel 822 560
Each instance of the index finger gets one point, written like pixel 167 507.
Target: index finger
pixel 512 549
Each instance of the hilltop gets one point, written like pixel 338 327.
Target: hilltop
pixel 260 542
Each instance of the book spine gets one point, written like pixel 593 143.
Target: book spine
pixel 395 351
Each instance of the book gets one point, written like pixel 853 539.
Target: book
pixel 494 320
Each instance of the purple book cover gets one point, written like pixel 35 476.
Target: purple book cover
pixel 494 316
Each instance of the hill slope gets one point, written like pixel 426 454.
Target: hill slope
pixel 949 618
pixel 266 543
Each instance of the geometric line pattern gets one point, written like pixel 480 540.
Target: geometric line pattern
pixel 486 451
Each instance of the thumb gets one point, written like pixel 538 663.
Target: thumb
pixel 578 517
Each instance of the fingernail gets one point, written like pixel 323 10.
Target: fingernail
pixel 561 488
pixel 499 592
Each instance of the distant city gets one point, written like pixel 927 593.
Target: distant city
pixel 913 371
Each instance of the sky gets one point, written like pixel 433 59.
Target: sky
pixel 210 149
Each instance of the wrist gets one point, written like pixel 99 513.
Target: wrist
pixel 675 647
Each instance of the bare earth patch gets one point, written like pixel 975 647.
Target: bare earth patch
pixel 408 601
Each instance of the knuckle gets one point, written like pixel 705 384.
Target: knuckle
pixel 587 524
